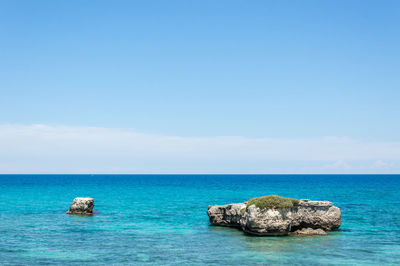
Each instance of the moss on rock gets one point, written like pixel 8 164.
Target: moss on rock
pixel 272 201
pixel 295 201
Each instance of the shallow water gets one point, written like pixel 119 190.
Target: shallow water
pixel 161 219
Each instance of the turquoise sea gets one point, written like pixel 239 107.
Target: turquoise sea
pixel 161 219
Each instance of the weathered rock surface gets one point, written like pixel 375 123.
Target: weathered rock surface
pixel 226 215
pixel 310 231
pixel 316 214
pixel 272 222
pixel 305 217
pixel 82 206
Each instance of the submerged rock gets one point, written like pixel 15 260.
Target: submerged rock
pixel 310 231
pixel 82 206
pixel 275 216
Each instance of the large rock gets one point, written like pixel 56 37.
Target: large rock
pixel 305 214
pixel 226 215
pixel 82 206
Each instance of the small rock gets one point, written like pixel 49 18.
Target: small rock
pixel 310 231
pixel 82 206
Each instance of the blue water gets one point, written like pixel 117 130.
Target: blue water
pixel 161 219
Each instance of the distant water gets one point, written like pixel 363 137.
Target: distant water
pixel 161 219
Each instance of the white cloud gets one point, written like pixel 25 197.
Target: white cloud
pixel 338 165
pixel 68 149
pixel 380 164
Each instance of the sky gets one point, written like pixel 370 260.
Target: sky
pixel 200 86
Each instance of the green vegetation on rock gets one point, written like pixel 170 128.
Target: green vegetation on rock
pixel 272 201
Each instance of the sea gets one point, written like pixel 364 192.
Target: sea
pixel 162 220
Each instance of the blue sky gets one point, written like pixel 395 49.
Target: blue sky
pixel 294 70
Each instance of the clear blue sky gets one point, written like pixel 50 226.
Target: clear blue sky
pixel 277 69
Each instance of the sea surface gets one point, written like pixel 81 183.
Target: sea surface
pixel 161 219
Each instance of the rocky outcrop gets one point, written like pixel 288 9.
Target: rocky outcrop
pixel 82 206
pixel 226 215
pixel 305 217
